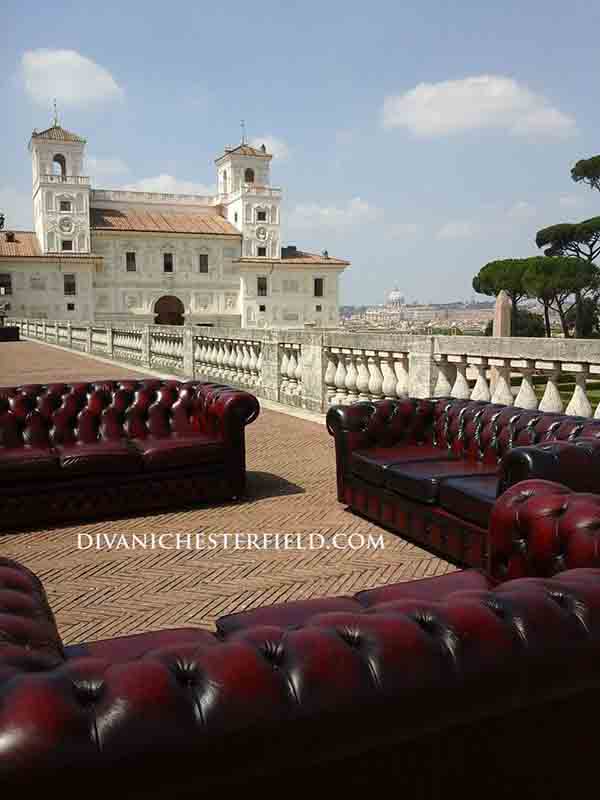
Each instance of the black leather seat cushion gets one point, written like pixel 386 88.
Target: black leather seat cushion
pixel 470 498
pixel 179 451
pixel 104 457
pixel 422 480
pixel 27 463
pixel 370 465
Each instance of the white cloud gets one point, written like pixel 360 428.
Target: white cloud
pixel 569 201
pixel 482 101
pixel 74 80
pixel 277 147
pixel 17 208
pixel 168 184
pixel 404 230
pixel 459 229
pixel 100 169
pixel 521 210
pixel 312 215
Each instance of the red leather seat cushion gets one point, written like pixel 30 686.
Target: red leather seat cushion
pixel 421 480
pixel 127 648
pixel 285 615
pixel 100 457
pixel 17 463
pixel 179 451
pixel 371 464
pixel 432 590
pixel 470 498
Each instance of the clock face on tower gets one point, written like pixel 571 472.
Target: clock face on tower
pixel 261 233
pixel 65 225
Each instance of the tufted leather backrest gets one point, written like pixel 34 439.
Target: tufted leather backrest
pixel 60 413
pixel 427 664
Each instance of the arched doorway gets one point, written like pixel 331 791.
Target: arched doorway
pixel 169 311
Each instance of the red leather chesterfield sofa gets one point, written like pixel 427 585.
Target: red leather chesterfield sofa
pixel 111 447
pixel 432 470
pixel 449 686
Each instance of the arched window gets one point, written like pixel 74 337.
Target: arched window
pixel 59 166
pixel 249 176
pixel 224 181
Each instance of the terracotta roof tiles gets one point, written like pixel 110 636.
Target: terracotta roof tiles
pixel 109 219
pixel 25 245
pixel 58 134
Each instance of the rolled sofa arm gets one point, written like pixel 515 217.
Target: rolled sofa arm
pixel 382 423
pixel 229 410
pixel 29 638
pixel 574 464
pixel 539 528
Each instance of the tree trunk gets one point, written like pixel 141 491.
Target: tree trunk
pixel 547 320
pixel 578 316
pixel 563 320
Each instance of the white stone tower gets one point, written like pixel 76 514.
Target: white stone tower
pixel 248 199
pixel 61 193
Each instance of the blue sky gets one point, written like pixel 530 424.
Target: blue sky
pixel 417 140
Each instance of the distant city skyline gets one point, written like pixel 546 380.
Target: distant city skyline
pixel 417 141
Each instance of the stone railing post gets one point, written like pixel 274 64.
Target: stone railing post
pixel 146 345
pixel 69 335
pixel 313 372
pixel 109 341
pixel 43 330
pixel 422 370
pixel 88 339
pixel 271 366
pixel 188 351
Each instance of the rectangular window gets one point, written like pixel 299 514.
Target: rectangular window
pixel 318 287
pixel 262 252
pixel 167 262
pixel 65 205
pixel 5 283
pixel 318 308
pixel 70 306
pixel 66 244
pixel 130 264
pixel 261 216
pixel 70 284
pixel 261 287
pixel 262 308
pixel 204 262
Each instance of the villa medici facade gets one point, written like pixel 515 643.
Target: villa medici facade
pixel 114 256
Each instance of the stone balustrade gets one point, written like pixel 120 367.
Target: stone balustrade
pixel 314 369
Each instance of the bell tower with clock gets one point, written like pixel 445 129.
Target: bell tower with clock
pixel 249 201
pixel 61 193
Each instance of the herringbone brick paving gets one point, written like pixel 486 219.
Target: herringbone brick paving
pixel 98 593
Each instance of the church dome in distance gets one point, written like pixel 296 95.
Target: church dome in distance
pixel 396 298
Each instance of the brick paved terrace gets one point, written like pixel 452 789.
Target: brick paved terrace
pixel 102 593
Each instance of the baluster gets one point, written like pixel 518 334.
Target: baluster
pixel 220 371
pixel 231 361
pixel 375 377
pixel 461 390
pixel 388 387
pixel 443 386
pixel 284 368
pixel 579 405
pixel 245 364
pixel 252 364
pixel 552 401
pixel 401 372
pixel 362 382
pixel 239 360
pixel 340 381
pixel 259 365
pixel 526 397
pixel 330 376
pixel 298 372
pixel 291 372
pixel 481 390
pixel 502 392
pixel 351 378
